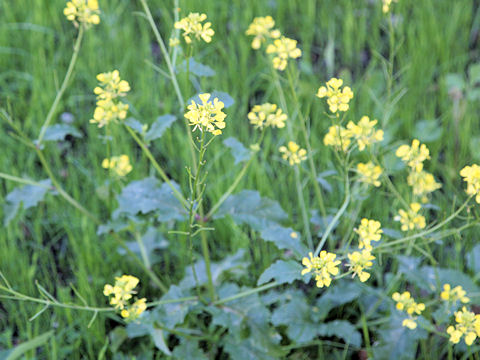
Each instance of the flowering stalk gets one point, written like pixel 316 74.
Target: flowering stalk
pixel 48 119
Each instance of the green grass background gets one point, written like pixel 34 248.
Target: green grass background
pixel 56 245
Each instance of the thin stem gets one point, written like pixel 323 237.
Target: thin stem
pixel 53 108
pixel 246 293
pixel 143 250
pixel 157 167
pixel 306 221
pixel 22 180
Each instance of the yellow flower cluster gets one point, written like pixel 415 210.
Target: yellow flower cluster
pixel 368 231
pixel 323 266
pixel 283 49
pixel 82 11
pixel 337 136
pixel 423 183
pixel 453 295
pixel 410 219
pixel 414 155
pixel 406 303
pixel 471 175
pixel 267 115
pixel 193 28
pixel 121 294
pixel 386 5
pixel 262 28
pixel 359 261
pixel 369 173
pixel 293 153
pixel 109 107
pixel 467 325
pixel 119 164
pixel 207 116
pixel 337 98
pixel 364 132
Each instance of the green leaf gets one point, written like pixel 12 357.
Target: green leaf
pixel 159 341
pixel 473 259
pixel 135 125
pixel 436 277
pixel 59 132
pixel 341 329
pixel 282 238
pixel 26 196
pixel 428 130
pixel 245 349
pixel 159 126
pixel 197 68
pixel 147 195
pixel 32 344
pixel 172 314
pixel 144 326
pixel 342 293
pixel 283 272
pixel 239 152
pixel 250 208
pixel 455 82
pixel 474 74
pixel 188 349
pixel 152 240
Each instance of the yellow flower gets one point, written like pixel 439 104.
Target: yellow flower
pixel 192 27
pixel 409 323
pixel 267 115
pixel 323 266
pixel 119 164
pixel 414 155
pixel 283 49
pixel 467 324
pixel 410 219
pixel 293 153
pixel 82 11
pixel 453 295
pixel 120 295
pixel 337 136
pixel 359 261
pixel 386 5
pixel 338 99
pixel 262 28
pixel 207 115
pixel 423 183
pixel 369 173
pixel 109 107
pixel 364 132
pixel 368 231
pixel 406 303
pixel 471 175
pixel 174 41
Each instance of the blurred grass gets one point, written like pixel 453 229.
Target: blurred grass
pixel 56 245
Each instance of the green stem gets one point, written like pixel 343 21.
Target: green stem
pixel 51 112
pixel 143 251
pixel 306 221
pixel 246 293
pixel 109 186
pixel 22 180
pixel 157 166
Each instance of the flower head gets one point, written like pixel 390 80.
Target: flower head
pixel 368 231
pixel 423 183
pixel 471 175
pixel 467 325
pixel 410 219
pixel 283 49
pixel 193 28
pixel 386 5
pixel 119 164
pixel 364 132
pixel 82 11
pixel 109 91
pixel 406 303
pixel 267 115
pixel 359 261
pixel 337 98
pixel 293 153
pixel 414 155
pixel 369 173
pixel 323 266
pixel 262 28
pixel 454 295
pixel 338 136
pixel 120 295
pixel 207 116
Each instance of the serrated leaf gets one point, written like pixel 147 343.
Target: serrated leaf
pixel 341 329
pixel 147 195
pixel 342 293
pixel 159 126
pixel 197 68
pixel 283 239
pixel 59 132
pixel 245 350
pixel 427 130
pixel 159 341
pixel 283 272
pixel 152 240
pixel 188 349
pixel 134 124
pixel 248 207
pixel 26 196
pixel 173 314
pixel 436 277
pixel 240 153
